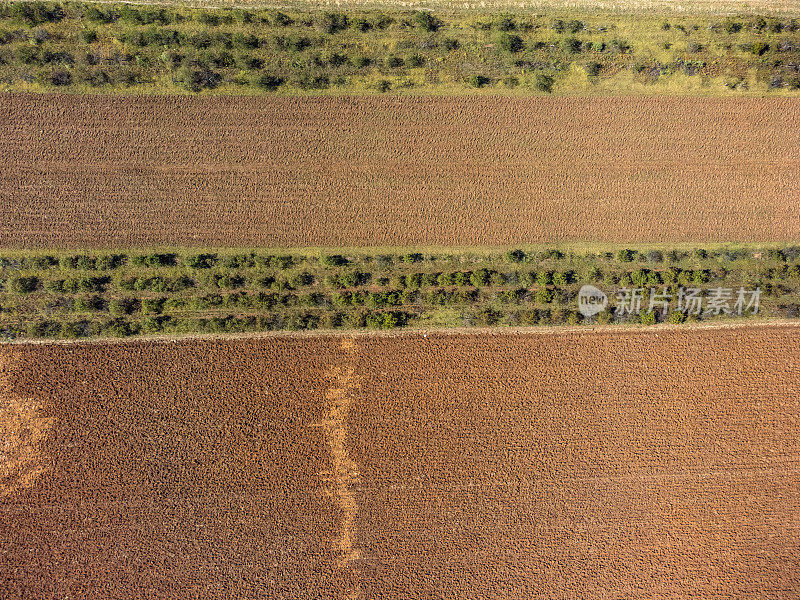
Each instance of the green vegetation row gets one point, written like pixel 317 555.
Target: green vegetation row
pixel 102 47
pixel 83 295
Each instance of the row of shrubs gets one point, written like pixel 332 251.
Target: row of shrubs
pixel 207 260
pixel 480 278
pixel 261 301
pixel 120 325
pixel 125 327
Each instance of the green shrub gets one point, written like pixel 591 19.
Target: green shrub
pixel 509 42
pixel 75 329
pixel 200 261
pixel 414 280
pixel 269 82
pixel 571 45
pixel 487 316
pixel 543 82
pixel 332 260
pixel 647 318
pixel 119 328
pixel 593 68
pixel 44 329
pixel 478 81
pixel 677 317
pixel 426 21
pixel 152 306
pixel 122 306
pixel 412 257
pixel 37 13
pixel 331 22
pixel 24 285
pixel 479 278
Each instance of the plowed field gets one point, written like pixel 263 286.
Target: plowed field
pixel 88 171
pixel 607 465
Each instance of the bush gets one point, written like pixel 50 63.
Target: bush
pixel 619 46
pixel 394 62
pixel 269 82
pixel 561 279
pixel 330 22
pixel 24 285
pixel 119 328
pixel 426 21
pixel 677 316
pixel 647 318
pixel 123 306
pixel 44 329
pixel 543 82
pixel 197 79
pixel 515 256
pixel 593 69
pixel 478 81
pixel 626 255
pixel 75 329
pixel 510 42
pixel 571 45
pixel 200 261
pixel 37 13
pixel 480 278
pixel 487 316
pixel 152 306
pixel 450 44
pixel 332 260
pixel 412 257
pixel 414 280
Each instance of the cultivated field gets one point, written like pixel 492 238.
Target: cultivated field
pixel 119 171
pixel 637 465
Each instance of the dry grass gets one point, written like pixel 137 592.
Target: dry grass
pixel 721 7
pixel 117 171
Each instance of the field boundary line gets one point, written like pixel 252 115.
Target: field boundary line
pixel 412 332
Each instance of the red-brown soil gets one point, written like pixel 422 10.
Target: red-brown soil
pixel 653 464
pixel 89 171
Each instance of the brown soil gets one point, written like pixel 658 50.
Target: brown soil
pixel 648 464
pixel 88 171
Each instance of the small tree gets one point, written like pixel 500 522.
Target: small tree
pixel 543 82
pixel 426 21
pixel 24 285
pixel 479 81
pixel 479 278
pixel 677 316
pixel 515 256
pixel 269 82
pixel 510 42
pixel 647 318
